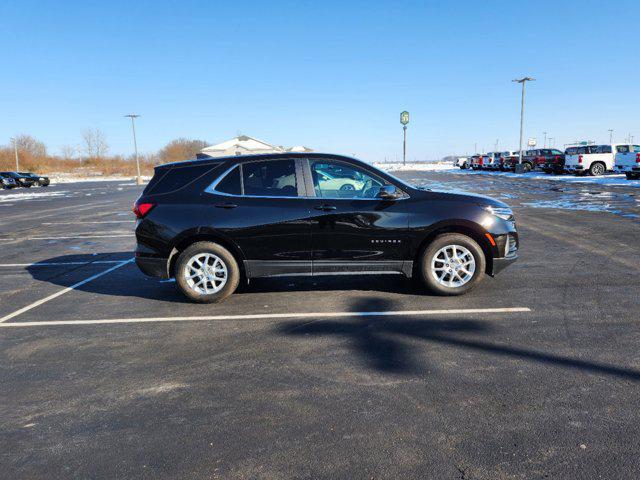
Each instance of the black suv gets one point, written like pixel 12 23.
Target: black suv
pixel 21 180
pixel 212 222
pixel 39 180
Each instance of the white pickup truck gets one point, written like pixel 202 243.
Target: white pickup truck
pixel 462 162
pixel 628 161
pixel 592 159
pixel 492 161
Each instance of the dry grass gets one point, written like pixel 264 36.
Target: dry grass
pixel 50 165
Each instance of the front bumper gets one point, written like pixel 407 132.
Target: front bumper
pixel 505 252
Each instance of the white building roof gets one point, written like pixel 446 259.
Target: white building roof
pixel 245 145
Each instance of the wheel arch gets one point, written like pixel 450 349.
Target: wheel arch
pixel 186 239
pixel 463 227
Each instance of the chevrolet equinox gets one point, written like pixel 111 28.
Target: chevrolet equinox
pixel 211 222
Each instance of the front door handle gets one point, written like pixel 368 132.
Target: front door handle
pixel 226 205
pixel 325 208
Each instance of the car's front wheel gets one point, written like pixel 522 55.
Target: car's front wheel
pixel 452 264
pixel 207 272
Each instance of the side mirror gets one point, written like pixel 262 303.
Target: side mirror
pixel 388 192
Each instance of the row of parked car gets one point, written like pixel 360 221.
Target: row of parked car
pixel 580 160
pixel 10 180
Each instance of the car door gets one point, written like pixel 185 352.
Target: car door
pixel 352 229
pixel 260 207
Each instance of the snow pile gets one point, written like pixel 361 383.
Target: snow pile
pixel 414 167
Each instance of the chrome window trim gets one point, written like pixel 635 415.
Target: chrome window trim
pixel 212 190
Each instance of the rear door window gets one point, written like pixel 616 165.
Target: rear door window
pixel 271 178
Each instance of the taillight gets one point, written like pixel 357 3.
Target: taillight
pixel 140 210
pixel 637 157
pixel 580 159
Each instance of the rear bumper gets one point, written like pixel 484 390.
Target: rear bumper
pixel 628 168
pixel 153 266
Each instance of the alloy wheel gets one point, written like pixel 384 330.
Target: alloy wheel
pixel 205 273
pixel 453 266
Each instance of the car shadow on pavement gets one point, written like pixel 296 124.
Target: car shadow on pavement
pixel 379 340
pixel 126 281
pixel 321 283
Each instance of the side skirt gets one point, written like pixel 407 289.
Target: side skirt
pixel 277 268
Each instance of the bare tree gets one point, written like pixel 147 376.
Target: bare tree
pixel 67 152
pixel 94 143
pixel 181 149
pixel 31 146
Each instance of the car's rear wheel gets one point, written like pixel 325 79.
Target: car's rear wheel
pixel 632 176
pixel 207 272
pixel 527 167
pixel 596 169
pixel 452 264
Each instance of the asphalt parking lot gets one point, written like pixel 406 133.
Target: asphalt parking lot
pixel 109 374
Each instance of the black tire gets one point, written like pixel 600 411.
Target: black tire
pixel 527 167
pixel 428 276
pixel 597 168
pixel 631 176
pixel 233 272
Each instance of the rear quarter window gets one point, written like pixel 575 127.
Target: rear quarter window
pixel 176 178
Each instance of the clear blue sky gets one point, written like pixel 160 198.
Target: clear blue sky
pixel 333 75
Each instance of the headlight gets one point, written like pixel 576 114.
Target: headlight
pixel 504 213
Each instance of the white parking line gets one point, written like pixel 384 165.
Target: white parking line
pixel 62 292
pixel 55 264
pixel 265 316
pixel 79 237
pixel 83 222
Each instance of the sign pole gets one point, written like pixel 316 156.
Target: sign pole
pixel 404 146
pixel 404 120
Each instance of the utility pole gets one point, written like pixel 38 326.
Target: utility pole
pixel 610 136
pixel 545 139
pixel 523 81
pixel 133 116
pixel 496 145
pixel 475 148
pixel 15 150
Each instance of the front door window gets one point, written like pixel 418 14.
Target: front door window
pixel 342 181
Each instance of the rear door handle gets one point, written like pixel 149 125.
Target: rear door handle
pixel 226 205
pixel 325 208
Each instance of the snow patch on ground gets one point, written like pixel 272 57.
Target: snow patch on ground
pixel 62 178
pixel 414 167
pixel 17 197
pixel 607 180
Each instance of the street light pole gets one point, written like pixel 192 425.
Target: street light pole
pixel 15 150
pixel 133 116
pixel 545 139
pixel 523 81
pixel 610 136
